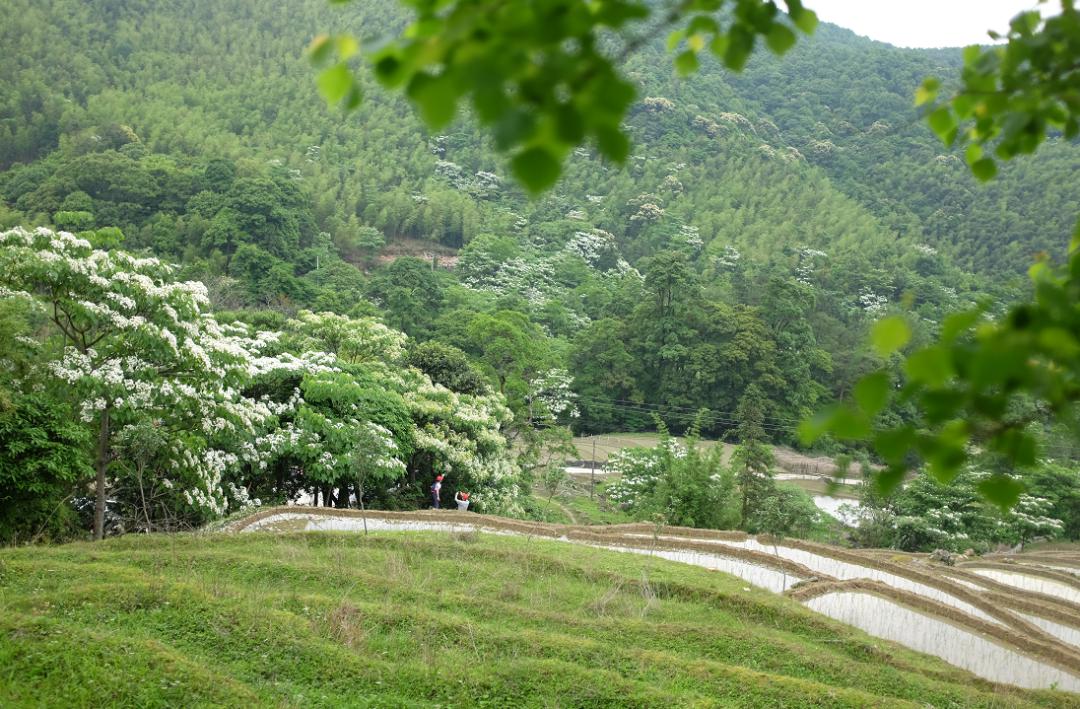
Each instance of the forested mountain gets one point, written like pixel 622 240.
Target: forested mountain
pixel 762 222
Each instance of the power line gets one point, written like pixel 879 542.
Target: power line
pixel 724 417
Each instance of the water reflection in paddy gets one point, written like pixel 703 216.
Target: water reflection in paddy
pixel 978 654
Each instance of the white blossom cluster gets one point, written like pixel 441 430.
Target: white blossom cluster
pixel 657 104
pixel 140 349
pixel 738 120
pixel 728 258
pixel 639 470
pixel 483 184
pixel 551 396
pixel 672 184
pixel 353 340
pixel 453 173
pixel 648 212
pixel 531 279
pixel 592 245
pixel 873 304
pixel 690 236
pixel 804 271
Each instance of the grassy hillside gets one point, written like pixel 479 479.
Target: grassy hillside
pixel 423 619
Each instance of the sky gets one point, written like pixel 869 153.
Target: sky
pixel 922 23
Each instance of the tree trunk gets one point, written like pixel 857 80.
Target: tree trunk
pixel 102 464
pixel 343 496
pixel 142 497
pixel 360 502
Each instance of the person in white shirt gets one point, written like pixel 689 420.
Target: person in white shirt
pixel 436 492
pixel 462 500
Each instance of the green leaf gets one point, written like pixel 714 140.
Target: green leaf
pixel 813 428
pixel 536 168
pixel 872 392
pixel 388 70
pixel 354 98
pixel 973 153
pixel 686 63
pixel 569 125
pixel 347 46
pixel 958 323
pixel 780 39
pixel 514 128
pixel 894 444
pixel 612 142
pixel 1001 490
pixel 941 122
pixel 971 54
pixel 889 480
pixel 334 83
pixel 931 366
pixel 805 20
pixel 319 50
pixel 1059 341
pixel 927 92
pixel 1018 446
pixel 889 335
pixel 848 425
pixel 740 43
pixel 435 97
pixel 984 169
pixel 674 38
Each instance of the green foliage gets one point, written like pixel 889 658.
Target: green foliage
pixel 446 365
pixel 984 381
pixel 540 110
pixel 765 220
pixel 679 483
pixel 43 456
pixel 925 514
pixel 1012 96
pixel 697 490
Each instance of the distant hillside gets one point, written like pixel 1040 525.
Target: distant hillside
pixel 201 79
pixel 762 223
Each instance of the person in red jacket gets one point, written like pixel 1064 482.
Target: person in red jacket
pixel 436 492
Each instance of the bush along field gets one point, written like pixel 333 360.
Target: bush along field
pixel 453 616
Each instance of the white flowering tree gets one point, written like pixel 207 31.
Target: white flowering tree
pixel 463 436
pixel 638 471
pixel 134 347
pixel 431 426
pixel 332 433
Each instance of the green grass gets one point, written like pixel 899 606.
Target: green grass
pixel 596 510
pixel 424 619
pixel 608 443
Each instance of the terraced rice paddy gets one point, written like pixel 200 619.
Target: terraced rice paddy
pixel 1014 620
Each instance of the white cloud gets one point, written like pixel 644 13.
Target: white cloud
pixel 923 23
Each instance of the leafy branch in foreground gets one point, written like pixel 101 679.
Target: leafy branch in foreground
pixel 985 381
pixel 1012 97
pixel 543 74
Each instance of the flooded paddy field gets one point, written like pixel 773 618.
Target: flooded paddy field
pixel 1017 625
